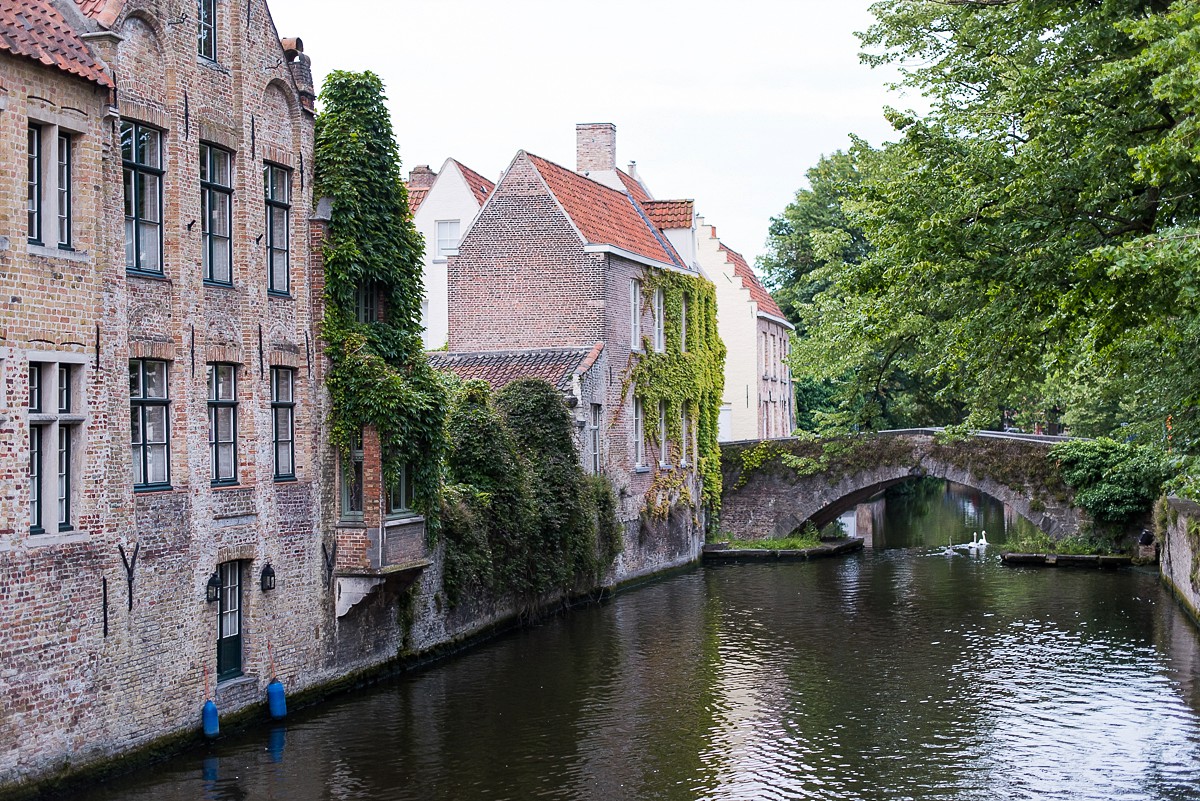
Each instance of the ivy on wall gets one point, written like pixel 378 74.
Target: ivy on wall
pixel 378 375
pixel 691 378
pixel 520 517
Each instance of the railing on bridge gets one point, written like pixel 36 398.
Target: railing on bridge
pixel 933 430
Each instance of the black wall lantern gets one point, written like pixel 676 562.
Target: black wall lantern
pixel 212 590
pixel 267 580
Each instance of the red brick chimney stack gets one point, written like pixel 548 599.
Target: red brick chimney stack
pixel 595 146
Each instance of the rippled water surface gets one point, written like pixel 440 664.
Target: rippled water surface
pixel 895 674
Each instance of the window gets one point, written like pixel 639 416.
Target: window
pixel 229 621
pixel 283 421
pixel 141 158
pixel 49 186
pixel 685 435
pixel 683 321
pixel 216 214
pixel 639 434
pixel 660 339
pixel 400 493
pixel 635 314
pixel 366 303
pixel 766 355
pixel 277 183
pixel 594 433
pixel 447 237
pixel 222 422
pixel 150 423
pixel 206 35
pixel 35 184
pixel 352 481
pixel 664 456
pixel 53 422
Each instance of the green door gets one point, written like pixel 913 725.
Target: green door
pixel 229 622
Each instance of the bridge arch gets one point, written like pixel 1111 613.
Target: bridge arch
pixel 773 487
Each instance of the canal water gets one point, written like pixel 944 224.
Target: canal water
pixel 898 673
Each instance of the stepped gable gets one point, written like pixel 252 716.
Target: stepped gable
pixel 480 187
pixel 604 216
pixel 499 368
pixel 670 213
pixel 35 29
pixel 758 292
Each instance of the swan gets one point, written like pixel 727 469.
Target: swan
pixel 983 543
pixel 976 544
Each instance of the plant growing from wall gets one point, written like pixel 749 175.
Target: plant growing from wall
pixel 378 374
pixel 691 378
pixel 1114 482
pixel 520 517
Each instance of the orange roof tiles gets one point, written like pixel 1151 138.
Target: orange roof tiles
pixel 35 29
pixel 633 186
pixel 498 368
pixel 481 187
pixel 758 292
pixel 604 215
pixel 416 196
pixel 103 11
pixel 669 213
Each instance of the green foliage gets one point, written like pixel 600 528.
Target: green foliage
pixel 520 518
pixel 1114 482
pixel 1032 242
pixel 378 374
pixel 1038 541
pixel 808 538
pixel 693 379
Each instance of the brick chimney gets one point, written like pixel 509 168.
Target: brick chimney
pixel 595 146
pixel 421 177
pixel 301 67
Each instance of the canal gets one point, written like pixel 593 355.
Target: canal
pixel 898 673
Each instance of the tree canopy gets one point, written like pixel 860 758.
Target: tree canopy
pixel 1030 243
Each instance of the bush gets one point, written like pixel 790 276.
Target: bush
pixel 1114 482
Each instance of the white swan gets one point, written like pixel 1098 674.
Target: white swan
pixel 983 543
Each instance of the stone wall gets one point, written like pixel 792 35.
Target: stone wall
pixel 1179 557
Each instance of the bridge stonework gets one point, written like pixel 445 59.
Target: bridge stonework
pixel 772 487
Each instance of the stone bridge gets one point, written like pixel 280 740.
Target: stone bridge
pixel 773 487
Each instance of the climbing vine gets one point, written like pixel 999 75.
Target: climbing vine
pixel 378 375
pixel 520 517
pixel 689 375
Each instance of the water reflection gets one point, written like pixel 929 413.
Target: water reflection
pixel 891 675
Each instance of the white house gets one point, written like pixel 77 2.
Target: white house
pixel 444 204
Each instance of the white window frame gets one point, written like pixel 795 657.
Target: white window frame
pixel 639 434
pixel 447 236
pixel 50 192
pixel 685 425
pixel 660 325
pixel 58 418
pixel 635 315
pixel 664 454
pixel 683 323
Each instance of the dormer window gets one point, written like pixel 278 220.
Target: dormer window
pixel 206 34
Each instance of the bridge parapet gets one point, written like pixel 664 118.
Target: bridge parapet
pixel 773 487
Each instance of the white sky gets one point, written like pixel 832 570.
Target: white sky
pixel 728 103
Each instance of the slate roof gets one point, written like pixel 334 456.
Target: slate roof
pixel 35 29
pixel 750 281
pixel 670 213
pixel 604 215
pixel 480 187
pixel 498 368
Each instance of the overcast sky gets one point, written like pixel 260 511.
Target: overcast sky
pixel 726 103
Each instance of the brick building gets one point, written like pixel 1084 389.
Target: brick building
pixel 551 277
pixel 159 452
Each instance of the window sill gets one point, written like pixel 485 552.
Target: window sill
pixel 403 519
pixel 210 284
pixel 350 524
pixel 286 479
pixel 229 682
pixel 146 274
pixel 224 484
pixel 641 468
pixel 143 489
pixel 63 253
pixel 275 293
pixel 49 540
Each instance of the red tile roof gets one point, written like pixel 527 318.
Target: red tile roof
pixel 669 213
pixel 634 187
pixel 481 187
pixel 603 215
pixel 416 196
pixel 758 292
pixel 35 29
pixel 103 11
pixel 498 368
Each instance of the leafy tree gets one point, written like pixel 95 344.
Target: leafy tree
pixel 1033 239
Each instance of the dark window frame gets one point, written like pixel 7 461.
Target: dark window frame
pixel 216 404
pixel 37 462
pixel 277 206
pixel 65 168
pixel 210 191
pixel 134 175
pixel 229 621
pixel 289 408
pixel 35 184
pixel 353 460
pixel 403 491
pixel 140 405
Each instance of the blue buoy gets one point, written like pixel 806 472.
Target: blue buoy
pixel 212 725
pixel 276 701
